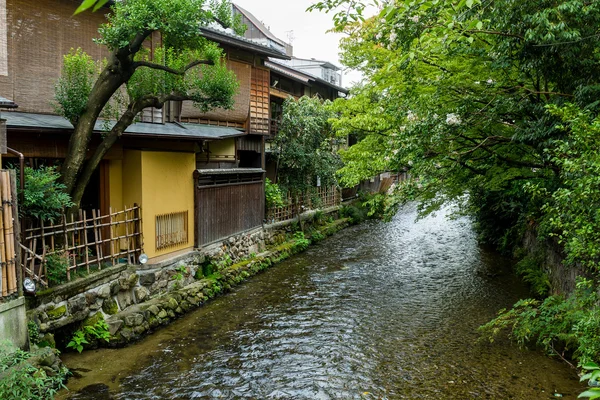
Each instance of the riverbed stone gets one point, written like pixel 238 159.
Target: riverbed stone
pixel 127 334
pixel 141 293
pixel 97 305
pixel 115 287
pixel 110 306
pixel 154 309
pixel 132 280
pixel 139 329
pixel 47 339
pixel 77 304
pixel 134 319
pixel 172 303
pixel 147 279
pixel 104 291
pixel 124 299
pixel 114 325
pixel 90 297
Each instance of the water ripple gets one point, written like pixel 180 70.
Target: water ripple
pixel 380 311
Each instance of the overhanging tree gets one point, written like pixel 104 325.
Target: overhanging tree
pixel 458 91
pixel 305 146
pixel 186 67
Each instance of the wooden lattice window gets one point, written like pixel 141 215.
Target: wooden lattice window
pixel 259 102
pixel 171 230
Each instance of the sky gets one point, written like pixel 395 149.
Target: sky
pixel 308 30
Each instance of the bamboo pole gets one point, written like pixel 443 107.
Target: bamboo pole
pixel 138 229
pixel 74 244
pixel 66 243
pixel 96 238
pixel 17 229
pixel 32 267
pixel 85 241
pixel 112 242
pixel 8 234
pixel 4 259
pixel 43 264
pixel 127 234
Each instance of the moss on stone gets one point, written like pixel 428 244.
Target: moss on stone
pixel 56 313
pixel 110 306
pixel 93 320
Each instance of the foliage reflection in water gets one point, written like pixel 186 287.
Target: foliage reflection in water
pixel 381 311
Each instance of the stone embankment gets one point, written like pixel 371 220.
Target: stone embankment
pixel 133 300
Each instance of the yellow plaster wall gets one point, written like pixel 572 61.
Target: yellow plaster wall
pixel 167 186
pixel 132 178
pixel 115 182
pixel 130 186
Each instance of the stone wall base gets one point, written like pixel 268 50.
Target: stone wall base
pixel 135 299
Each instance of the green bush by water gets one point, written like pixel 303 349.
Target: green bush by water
pixel 21 380
pixel 568 327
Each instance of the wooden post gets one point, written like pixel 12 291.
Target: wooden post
pixel 127 238
pixel 32 267
pixel 98 252
pixel 66 243
pixel 112 243
pixel 43 265
pixel 138 230
pixel 83 216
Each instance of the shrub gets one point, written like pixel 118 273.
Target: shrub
pixel 21 380
pixel 56 267
pixel 354 213
pixel 43 196
pixel 301 242
pixel 273 195
pixel 531 268
pixel 565 326
pixel 83 336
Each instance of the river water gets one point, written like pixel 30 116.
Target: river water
pixel 378 311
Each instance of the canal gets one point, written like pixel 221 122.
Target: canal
pixel 378 311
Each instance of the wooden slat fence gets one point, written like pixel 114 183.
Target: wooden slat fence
pixel 89 242
pixel 9 279
pixel 325 197
pixel 224 210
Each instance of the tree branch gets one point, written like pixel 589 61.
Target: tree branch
pixel 173 71
pixel 498 33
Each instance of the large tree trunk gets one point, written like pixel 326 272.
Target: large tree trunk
pixel 125 121
pixel 106 85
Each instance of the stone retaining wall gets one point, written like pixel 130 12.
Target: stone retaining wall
pixel 135 299
pixel 562 278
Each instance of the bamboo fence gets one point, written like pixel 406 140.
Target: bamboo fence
pixel 9 278
pixel 324 197
pixel 86 242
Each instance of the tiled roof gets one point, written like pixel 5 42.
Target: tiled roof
pixel 222 36
pixel 167 130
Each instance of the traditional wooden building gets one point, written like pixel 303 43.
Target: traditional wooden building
pixel 198 177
